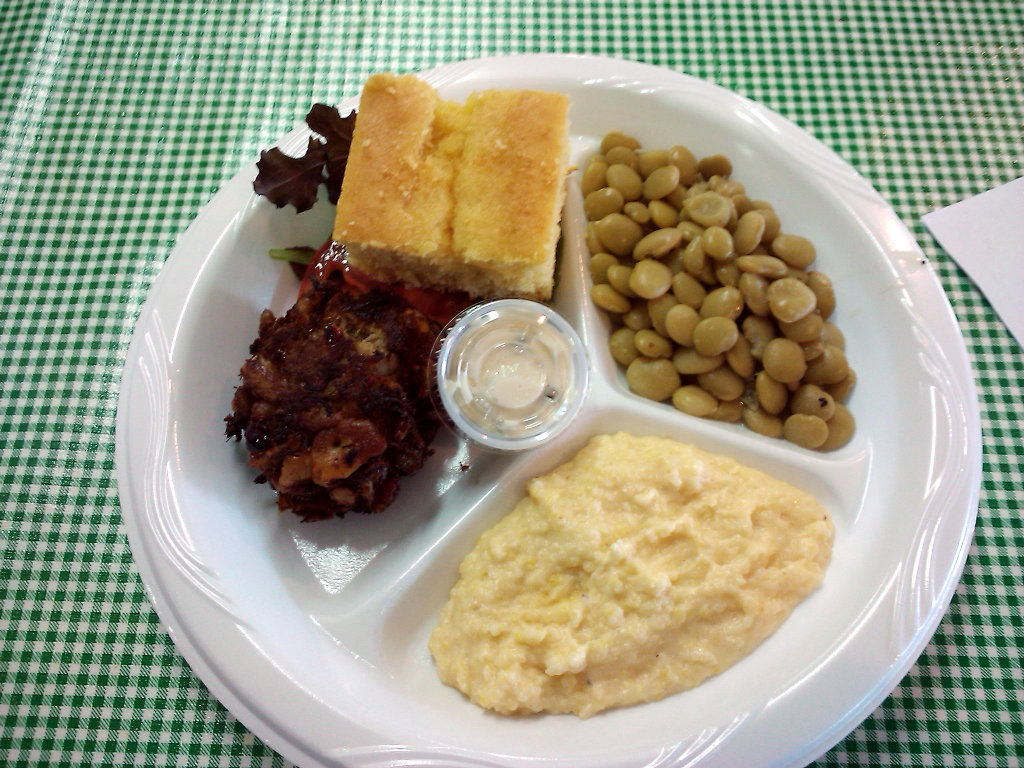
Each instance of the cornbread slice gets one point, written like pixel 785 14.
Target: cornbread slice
pixel 455 196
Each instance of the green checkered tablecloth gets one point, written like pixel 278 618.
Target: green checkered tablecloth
pixel 119 120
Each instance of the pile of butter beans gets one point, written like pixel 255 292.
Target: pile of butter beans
pixel 715 308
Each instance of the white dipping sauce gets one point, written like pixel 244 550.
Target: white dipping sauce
pixel 510 374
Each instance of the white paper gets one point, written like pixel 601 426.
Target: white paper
pixel 985 235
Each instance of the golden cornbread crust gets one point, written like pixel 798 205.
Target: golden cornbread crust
pixel 455 196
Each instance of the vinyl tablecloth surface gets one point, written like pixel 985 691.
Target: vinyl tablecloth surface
pixel 119 120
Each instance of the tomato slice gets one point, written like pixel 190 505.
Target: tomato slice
pixel 440 306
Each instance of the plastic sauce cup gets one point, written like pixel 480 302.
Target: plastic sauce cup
pixel 509 374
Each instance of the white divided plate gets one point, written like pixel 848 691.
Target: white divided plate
pixel 314 635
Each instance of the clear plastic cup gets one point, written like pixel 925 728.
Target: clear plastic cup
pixel 509 374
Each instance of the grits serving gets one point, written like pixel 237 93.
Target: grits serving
pixel 636 570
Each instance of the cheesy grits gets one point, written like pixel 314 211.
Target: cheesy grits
pixel 636 570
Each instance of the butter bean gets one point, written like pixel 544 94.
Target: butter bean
pixel 657 243
pixel 728 410
pixel 726 301
pixel 618 139
pixel 715 336
pixel 739 358
pixel 608 299
pixel 794 250
pixel 798 274
pixel 599 264
pixel 626 180
pixel 602 202
pixel 722 382
pixel 619 234
pixel 680 322
pixel 674 261
pixel 637 316
pixel 813 400
pixel 758 331
pixel 830 334
pixel 805 430
pixel 749 230
pixel 695 401
pixel 714 165
pixel 762 423
pixel 829 368
pixel 694 260
pixel 594 244
pixel 812 349
pixel 658 308
pixel 655 379
pixel 697 188
pixel 840 429
pixel 717 243
pixel 619 278
pixel 691 230
pixel 772 225
pixel 593 177
pixel 783 360
pixel 742 204
pixel 650 160
pixel 650 343
pixel 637 211
pixel 754 290
pixel 841 390
pixel 650 279
pixel 683 159
pixel 771 395
pixel 661 181
pixel 807 328
pixel 727 273
pixel 622 156
pixel 709 209
pixel 688 290
pixel 622 344
pixel 662 214
pixel 707 275
pixel 790 300
pixel 821 285
pixel 690 361
pixel 730 188
pixel 675 197
pixel 770 267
